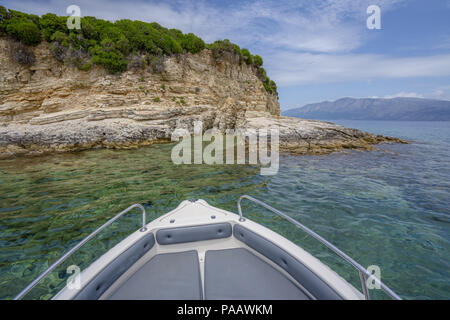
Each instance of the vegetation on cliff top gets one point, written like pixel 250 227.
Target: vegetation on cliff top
pixel 117 45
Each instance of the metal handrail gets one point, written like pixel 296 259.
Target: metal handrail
pixel 78 246
pixel 363 273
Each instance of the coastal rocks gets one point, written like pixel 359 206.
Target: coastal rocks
pixel 79 135
pixel 299 136
pixel 51 107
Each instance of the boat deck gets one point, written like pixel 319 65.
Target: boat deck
pixel 228 274
pixel 199 252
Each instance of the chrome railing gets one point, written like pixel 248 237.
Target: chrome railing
pixel 78 246
pixel 363 273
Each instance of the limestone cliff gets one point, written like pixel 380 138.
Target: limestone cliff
pixel 51 107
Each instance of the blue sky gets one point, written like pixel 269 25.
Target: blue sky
pixel 315 50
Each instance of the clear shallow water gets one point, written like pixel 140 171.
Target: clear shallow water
pixel 390 207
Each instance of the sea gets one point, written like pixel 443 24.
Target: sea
pixel 388 209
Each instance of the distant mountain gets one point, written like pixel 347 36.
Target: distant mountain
pixel 413 109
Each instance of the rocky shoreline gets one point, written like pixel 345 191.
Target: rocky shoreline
pixel 297 136
pixel 301 137
pixel 51 107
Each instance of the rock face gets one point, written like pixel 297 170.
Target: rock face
pixel 52 107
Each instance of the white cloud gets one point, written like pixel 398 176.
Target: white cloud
pixel 441 92
pixel 404 95
pixel 291 68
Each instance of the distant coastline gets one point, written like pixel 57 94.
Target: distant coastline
pixel 399 109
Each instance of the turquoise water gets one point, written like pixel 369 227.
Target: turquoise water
pixel 389 207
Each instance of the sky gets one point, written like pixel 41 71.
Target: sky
pixel 315 50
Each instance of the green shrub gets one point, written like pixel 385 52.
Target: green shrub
pixel 257 60
pixel 270 86
pixel 24 30
pixel 267 87
pixel 220 47
pixel 191 43
pixel 61 38
pixel 111 32
pixel 77 41
pixel 136 32
pixel 89 28
pixel 13 14
pixel 123 45
pixel 273 85
pixel 113 61
pixel 3 18
pixel 157 99
pixel 248 58
pixel 168 44
pixel 3 14
pixel 51 23
pixel 84 66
